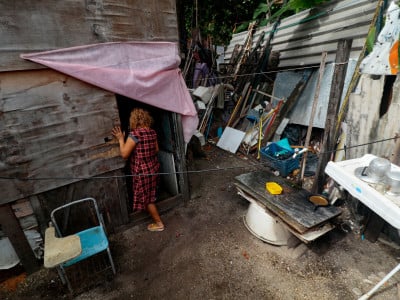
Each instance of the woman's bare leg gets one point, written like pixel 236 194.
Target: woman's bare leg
pixel 152 209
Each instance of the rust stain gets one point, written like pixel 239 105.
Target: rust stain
pixel 11 284
pixel 245 255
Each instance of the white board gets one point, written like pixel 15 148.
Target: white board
pixel 231 139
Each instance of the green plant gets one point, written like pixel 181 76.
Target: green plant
pixel 277 11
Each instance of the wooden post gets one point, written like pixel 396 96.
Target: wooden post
pixel 314 108
pixel 238 104
pixel 329 141
pixel 183 179
pixel 13 230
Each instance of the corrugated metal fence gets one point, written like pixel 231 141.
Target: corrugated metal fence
pixel 302 38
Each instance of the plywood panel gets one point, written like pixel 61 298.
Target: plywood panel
pixel 29 26
pixel 53 126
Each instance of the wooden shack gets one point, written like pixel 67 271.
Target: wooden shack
pixel 55 130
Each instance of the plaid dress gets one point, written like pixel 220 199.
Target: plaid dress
pixel 144 161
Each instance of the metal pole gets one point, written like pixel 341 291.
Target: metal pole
pixel 314 108
pixel 380 283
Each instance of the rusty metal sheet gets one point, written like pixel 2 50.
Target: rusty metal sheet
pixel 53 126
pixel 79 22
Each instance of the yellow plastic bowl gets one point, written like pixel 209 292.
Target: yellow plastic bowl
pixel 273 188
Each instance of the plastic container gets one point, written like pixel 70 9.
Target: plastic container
pixel 393 182
pixel 265 227
pixel 280 159
pixel 273 188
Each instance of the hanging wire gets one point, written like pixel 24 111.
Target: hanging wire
pixel 214 169
pixel 321 14
pixel 274 71
pixel 250 165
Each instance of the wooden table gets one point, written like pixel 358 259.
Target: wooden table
pixel 292 207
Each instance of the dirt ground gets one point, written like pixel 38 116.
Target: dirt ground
pixel 206 252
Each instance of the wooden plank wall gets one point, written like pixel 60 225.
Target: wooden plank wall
pixel 110 193
pixel 29 26
pixel 53 126
pixel 302 43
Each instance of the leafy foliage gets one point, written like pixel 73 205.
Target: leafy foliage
pixel 371 39
pixel 219 19
pixel 299 5
pixel 277 11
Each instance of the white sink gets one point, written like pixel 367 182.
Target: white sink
pixel 372 195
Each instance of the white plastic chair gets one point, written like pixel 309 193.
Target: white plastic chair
pixel 93 239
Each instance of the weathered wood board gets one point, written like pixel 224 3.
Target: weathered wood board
pixel 29 26
pixel 307 236
pixel 53 126
pixel 292 206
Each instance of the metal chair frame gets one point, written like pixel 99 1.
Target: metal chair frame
pixel 93 240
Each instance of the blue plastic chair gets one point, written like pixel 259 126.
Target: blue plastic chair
pixel 93 239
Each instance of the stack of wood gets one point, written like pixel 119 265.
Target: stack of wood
pixel 244 94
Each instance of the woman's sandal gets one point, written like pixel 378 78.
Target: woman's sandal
pixel 155 227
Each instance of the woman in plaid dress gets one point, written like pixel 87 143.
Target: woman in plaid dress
pixel 141 147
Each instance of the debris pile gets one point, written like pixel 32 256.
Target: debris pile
pixel 235 102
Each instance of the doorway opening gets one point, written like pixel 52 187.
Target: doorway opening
pixel 168 184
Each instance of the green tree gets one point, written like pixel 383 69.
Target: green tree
pixel 268 13
pixel 219 19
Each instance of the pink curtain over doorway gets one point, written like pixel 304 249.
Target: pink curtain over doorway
pixel 145 71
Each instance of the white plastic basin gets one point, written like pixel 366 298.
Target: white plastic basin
pixel 264 226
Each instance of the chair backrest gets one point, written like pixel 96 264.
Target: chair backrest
pixel 76 216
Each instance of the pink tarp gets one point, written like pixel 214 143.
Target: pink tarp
pixel 145 71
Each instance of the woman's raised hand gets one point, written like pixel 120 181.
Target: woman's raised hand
pixel 116 131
